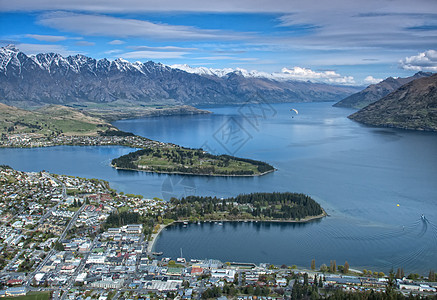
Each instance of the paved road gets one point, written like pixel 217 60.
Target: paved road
pixel 79 269
pixel 52 251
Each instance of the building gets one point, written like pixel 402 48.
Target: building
pixel 226 274
pixel 196 271
pixel 133 228
pixel 96 259
pixel 16 291
pixel 108 284
pixel 163 286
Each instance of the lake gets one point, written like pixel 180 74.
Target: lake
pixel 375 184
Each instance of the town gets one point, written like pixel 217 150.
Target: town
pixel 74 238
pixel 30 140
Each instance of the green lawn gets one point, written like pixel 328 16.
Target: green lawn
pixel 48 120
pixel 31 296
pixel 191 160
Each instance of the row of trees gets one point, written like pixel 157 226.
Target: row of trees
pixel 333 268
pixel 114 133
pixel 127 161
pixel 233 290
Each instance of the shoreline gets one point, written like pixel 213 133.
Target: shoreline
pixel 193 174
pixel 154 236
pixel 304 220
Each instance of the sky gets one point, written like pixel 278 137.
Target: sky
pixel 342 42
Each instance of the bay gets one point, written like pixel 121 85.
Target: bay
pixel 374 183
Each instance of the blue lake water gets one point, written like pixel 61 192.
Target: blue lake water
pixel 359 174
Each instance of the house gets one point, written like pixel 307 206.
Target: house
pixel 14 282
pixel 195 271
pixel 281 282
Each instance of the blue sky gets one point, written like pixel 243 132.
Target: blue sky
pixel 336 41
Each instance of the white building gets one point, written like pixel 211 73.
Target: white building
pixel 226 274
pixel 96 259
pixel 108 284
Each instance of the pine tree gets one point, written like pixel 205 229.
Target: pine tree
pixel 313 264
pixel 431 276
pixel 333 266
pixel 346 267
pixel 391 285
pixel 398 274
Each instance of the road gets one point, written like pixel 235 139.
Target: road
pixel 52 251
pixel 79 269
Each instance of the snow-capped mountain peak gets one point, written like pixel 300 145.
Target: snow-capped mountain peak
pixel 51 78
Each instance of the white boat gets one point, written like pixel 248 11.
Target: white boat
pixel 181 259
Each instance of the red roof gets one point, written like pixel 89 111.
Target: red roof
pixel 196 270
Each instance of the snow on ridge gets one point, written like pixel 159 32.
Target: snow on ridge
pixel 286 74
pixel 203 70
pixel 226 71
pixel 9 55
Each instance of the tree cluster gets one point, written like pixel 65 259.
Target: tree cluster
pixel 183 161
pixel 281 206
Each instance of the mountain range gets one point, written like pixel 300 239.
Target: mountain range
pixel 78 80
pixel 375 92
pixel 412 106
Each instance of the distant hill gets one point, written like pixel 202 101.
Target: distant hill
pixel 412 106
pixel 50 120
pixel 375 92
pixel 84 82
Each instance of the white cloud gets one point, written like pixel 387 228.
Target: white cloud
pixel 47 38
pixel 31 49
pixel 424 61
pixel 303 74
pixel 223 6
pixel 228 58
pixel 371 80
pixel 116 42
pixel 85 43
pixel 164 48
pixel 113 51
pixel 100 25
pixel 294 74
pixel 152 54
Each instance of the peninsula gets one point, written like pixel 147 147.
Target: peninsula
pixel 57 125
pixel 272 207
